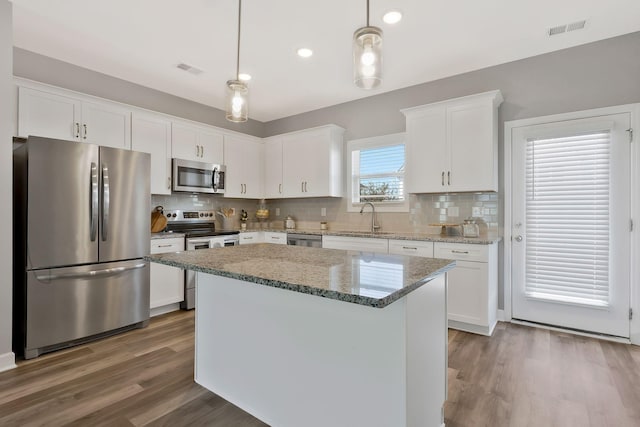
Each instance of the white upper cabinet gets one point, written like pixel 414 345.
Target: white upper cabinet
pixel 59 114
pixel 151 133
pixel 453 145
pixel 197 143
pixel 244 160
pixel 312 162
pixel 273 167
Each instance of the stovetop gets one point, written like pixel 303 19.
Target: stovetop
pixel 194 223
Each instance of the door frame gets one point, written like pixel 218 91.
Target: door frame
pixel 634 111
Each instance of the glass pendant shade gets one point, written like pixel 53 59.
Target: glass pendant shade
pixel 367 57
pixel 237 101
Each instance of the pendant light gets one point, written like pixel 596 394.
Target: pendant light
pixel 237 100
pixel 367 56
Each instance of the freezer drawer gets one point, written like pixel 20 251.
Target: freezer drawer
pixel 69 304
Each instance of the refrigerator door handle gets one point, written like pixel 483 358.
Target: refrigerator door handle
pixel 89 274
pixel 94 202
pixel 105 203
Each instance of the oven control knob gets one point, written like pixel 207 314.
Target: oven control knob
pixel 168 215
pixel 210 214
pixel 201 215
pixel 174 215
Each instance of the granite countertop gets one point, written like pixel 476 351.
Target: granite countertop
pixel 166 235
pixel 424 237
pixel 374 280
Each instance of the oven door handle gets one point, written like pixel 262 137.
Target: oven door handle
pixel 197 242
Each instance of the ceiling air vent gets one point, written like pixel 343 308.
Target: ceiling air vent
pixel 189 68
pixel 579 25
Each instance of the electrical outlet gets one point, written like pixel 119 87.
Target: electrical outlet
pixel 277 211
pixel 323 211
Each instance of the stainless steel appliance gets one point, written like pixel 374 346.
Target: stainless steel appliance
pixel 81 228
pixel 309 240
pixel 198 177
pixel 200 233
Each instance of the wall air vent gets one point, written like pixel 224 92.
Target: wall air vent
pixel 578 25
pixel 189 68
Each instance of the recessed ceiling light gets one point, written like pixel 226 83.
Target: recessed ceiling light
pixel 392 17
pixel 244 77
pixel 304 52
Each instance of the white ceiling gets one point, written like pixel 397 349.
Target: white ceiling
pixel 142 41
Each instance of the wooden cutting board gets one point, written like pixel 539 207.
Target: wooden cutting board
pixel 158 220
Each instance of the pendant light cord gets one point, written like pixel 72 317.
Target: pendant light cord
pixel 367 12
pixel 238 53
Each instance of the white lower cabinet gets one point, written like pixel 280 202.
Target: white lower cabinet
pixel 411 248
pixel 360 244
pixel 472 286
pixel 167 283
pixel 251 237
pixel 275 237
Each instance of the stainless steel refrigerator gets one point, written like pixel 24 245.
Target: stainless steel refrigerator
pixel 81 228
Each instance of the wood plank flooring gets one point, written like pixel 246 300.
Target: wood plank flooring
pixel 519 377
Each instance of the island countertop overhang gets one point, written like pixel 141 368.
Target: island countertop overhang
pixel 374 280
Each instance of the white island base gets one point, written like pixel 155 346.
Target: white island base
pixel 293 359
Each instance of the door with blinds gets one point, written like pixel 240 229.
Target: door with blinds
pixel 571 224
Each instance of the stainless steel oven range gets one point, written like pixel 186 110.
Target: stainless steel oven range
pixel 200 233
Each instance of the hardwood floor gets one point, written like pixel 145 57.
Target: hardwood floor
pixel 519 377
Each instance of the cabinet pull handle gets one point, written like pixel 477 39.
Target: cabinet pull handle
pixel 302 187
pixel 202 151
pixel 409 247
pixel 163 246
pixel 459 252
pixel 449 178
pixel 305 186
pixel 84 125
pixel 248 238
pixel 442 177
pixel 77 130
pixel 280 188
pixel 275 238
pixel 168 183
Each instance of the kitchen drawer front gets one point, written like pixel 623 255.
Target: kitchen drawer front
pixel 360 244
pixel 275 237
pixel 159 246
pixel 460 251
pixel 251 237
pixel 411 248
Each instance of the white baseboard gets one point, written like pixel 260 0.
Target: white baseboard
pixel 157 311
pixel 7 361
pixel 502 317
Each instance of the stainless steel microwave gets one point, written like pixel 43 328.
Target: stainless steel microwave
pixel 197 177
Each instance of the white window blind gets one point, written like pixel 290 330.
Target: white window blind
pixel 567 218
pixel 378 174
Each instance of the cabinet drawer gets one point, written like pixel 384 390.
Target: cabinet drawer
pixel 159 246
pixel 251 237
pixel 411 248
pixel 360 244
pixel 275 237
pixel 461 251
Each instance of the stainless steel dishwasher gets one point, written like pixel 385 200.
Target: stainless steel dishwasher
pixel 309 240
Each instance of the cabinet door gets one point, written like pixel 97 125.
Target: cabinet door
pixel 426 151
pixel 306 163
pixel 184 142
pixel 211 146
pixel 411 248
pixel 167 283
pixel 273 168
pixel 471 134
pixel 277 238
pixel 251 237
pixel 468 293
pixel 152 134
pixel 49 115
pixel 243 157
pixel 106 124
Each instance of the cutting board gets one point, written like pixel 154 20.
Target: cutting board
pixel 158 220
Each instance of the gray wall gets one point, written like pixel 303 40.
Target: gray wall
pixel 6 129
pixel 41 68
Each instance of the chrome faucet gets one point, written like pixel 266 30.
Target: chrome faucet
pixel 374 226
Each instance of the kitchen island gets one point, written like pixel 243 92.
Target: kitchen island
pixel 316 337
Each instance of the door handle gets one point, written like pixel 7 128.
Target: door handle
pixel 302 186
pixel 77 130
pixel 279 188
pixel 89 274
pixel 85 131
pixel 449 178
pixel 442 177
pixel 305 187
pixel 518 238
pixel 105 202
pixel 93 225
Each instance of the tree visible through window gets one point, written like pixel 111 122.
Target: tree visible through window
pixel 378 174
